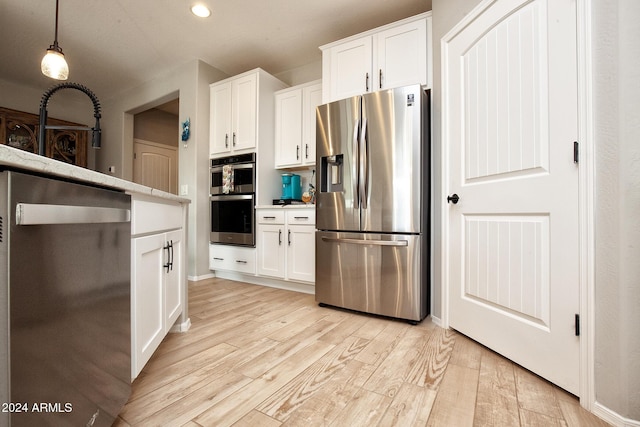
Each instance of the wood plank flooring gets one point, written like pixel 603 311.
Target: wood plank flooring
pixel 258 356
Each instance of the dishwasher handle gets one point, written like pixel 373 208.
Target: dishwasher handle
pixel 43 214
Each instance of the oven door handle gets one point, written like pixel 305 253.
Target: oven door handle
pixel 232 197
pixel 218 168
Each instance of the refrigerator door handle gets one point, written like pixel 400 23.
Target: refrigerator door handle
pixel 355 165
pixel 366 242
pixel 364 166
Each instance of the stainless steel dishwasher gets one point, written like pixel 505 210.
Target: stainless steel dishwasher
pixel 65 302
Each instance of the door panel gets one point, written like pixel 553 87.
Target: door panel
pixel 352 62
pixel 244 109
pixel 373 273
pixel 402 58
pixel 173 278
pixel 156 166
pixel 393 155
pixel 510 119
pixel 337 204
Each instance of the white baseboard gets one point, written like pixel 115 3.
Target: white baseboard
pixel 612 417
pixel 306 288
pixel 209 275
pixel 181 327
pixel 436 320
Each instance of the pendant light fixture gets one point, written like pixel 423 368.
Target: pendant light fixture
pixel 53 64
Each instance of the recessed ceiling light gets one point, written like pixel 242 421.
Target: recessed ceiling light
pixel 200 10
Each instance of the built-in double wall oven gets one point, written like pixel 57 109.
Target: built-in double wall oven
pixel 232 199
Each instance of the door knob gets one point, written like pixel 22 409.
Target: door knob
pixel 453 198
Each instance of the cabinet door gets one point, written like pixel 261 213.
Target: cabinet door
pixel 289 128
pixel 244 107
pixel 311 98
pixel 301 249
pixel 402 56
pixel 271 253
pixel 146 298
pixel 220 119
pixel 173 277
pixel 350 69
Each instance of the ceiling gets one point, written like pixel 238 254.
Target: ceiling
pixel 115 45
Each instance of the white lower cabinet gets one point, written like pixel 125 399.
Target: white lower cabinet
pixel 157 294
pixel 157 277
pixel 232 258
pixel 286 244
pixel 301 249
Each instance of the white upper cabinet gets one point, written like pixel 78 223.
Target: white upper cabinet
pixel 395 55
pixel 295 127
pixel 235 112
pixel 350 68
pixel 311 98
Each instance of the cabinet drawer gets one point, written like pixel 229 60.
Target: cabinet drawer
pixel 151 216
pixel 301 217
pixel 271 216
pixel 232 258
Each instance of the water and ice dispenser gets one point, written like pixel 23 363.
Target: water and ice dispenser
pixel 331 174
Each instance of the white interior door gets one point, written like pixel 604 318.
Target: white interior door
pixel 155 165
pixel 509 126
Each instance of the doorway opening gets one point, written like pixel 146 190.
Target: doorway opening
pixel 155 147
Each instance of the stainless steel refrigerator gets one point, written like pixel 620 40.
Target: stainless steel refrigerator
pixel 372 207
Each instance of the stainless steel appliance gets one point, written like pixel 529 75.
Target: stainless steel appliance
pixel 372 208
pixel 65 301
pixel 243 174
pixel 233 219
pixel 232 200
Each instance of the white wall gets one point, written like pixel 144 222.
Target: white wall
pixel 189 82
pixel 616 76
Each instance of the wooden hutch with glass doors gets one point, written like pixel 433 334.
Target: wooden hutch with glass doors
pixel 20 130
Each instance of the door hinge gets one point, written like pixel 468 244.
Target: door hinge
pixel 577 320
pixel 576 152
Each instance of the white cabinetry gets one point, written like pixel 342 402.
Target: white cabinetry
pixel 395 55
pixel 286 243
pixel 236 125
pixel 232 258
pixel 295 125
pixel 158 275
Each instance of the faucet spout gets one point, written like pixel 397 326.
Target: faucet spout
pixel 96 132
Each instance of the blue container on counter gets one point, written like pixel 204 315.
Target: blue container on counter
pixel 291 188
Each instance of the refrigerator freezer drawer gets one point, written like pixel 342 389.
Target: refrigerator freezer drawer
pixel 374 273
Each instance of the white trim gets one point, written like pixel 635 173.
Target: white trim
pixel 436 321
pixel 376 30
pixel 199 277
pixel 444 226
pixel 180 327
pixel 613 417
pixel 267 281
pixel 587 205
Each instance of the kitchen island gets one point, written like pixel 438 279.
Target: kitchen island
pixel 50 209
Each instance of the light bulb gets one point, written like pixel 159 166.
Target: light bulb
pixel 200 10
pixel 54 65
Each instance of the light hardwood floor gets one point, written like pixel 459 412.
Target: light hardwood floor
pixel 257 356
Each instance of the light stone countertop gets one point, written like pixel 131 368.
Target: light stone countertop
pixel 22 160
